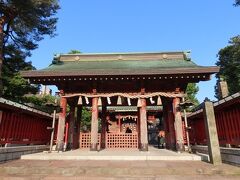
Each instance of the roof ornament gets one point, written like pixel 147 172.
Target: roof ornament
pixel 77 58
pixel 56 59
pixel 120 57
pixel 165 56
pixel 187 55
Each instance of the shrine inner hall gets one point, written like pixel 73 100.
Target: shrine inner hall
pixel 132 95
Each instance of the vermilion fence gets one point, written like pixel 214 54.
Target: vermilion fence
pixel 113 140
pixel 20 124
pixel 227 114
pixel 122 140
pixel 85 140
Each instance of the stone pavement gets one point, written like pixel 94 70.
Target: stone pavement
pixel 99 170
pixel 117 154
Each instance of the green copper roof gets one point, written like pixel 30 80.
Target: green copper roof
pixel 121 64
pixel 132 64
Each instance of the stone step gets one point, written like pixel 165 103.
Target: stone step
pixel 111 171
pixel 112 158
pixel 33 169
pixel 117 154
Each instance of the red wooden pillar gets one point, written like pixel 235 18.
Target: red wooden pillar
pixel 169 121
pixel 61 124
pixel 104 128
pixel 77 135
pixel 71 126
pixel 119 123
pixel 94 125
pixel 143 126
pixel 66 135
pixel 138 127
pixel 178 125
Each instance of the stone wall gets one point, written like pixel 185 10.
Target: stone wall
pixel 10 153
pixel 229 155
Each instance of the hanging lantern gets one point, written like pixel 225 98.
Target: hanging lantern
pixel 108 100
pixel 119 100
pixel 139 104
pixel 99 101
pixel 86 99
pixel 151 100
pixel 129 101
pixel 80 100
pixel 159 101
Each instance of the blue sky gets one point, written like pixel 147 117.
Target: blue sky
pixel 91 26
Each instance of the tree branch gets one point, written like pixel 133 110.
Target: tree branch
pixel 14 40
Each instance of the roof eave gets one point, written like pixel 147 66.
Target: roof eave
pixel 117 72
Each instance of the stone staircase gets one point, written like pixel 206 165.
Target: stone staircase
pixel 24 169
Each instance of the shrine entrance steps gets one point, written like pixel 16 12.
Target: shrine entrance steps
pixel 115 154
pixel 116 170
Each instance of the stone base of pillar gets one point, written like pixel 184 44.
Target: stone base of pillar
pixel 171 146
pixel 180 147
pixel 60 146
pixel 143 147
pixel 103 145
pixel 93 147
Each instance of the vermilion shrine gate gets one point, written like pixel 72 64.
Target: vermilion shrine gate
pixel 120 79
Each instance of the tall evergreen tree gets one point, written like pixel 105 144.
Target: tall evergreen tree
pixel 14 86
pixel 191 91
pixel 229 63
pixel 23 23
pixel 237 2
